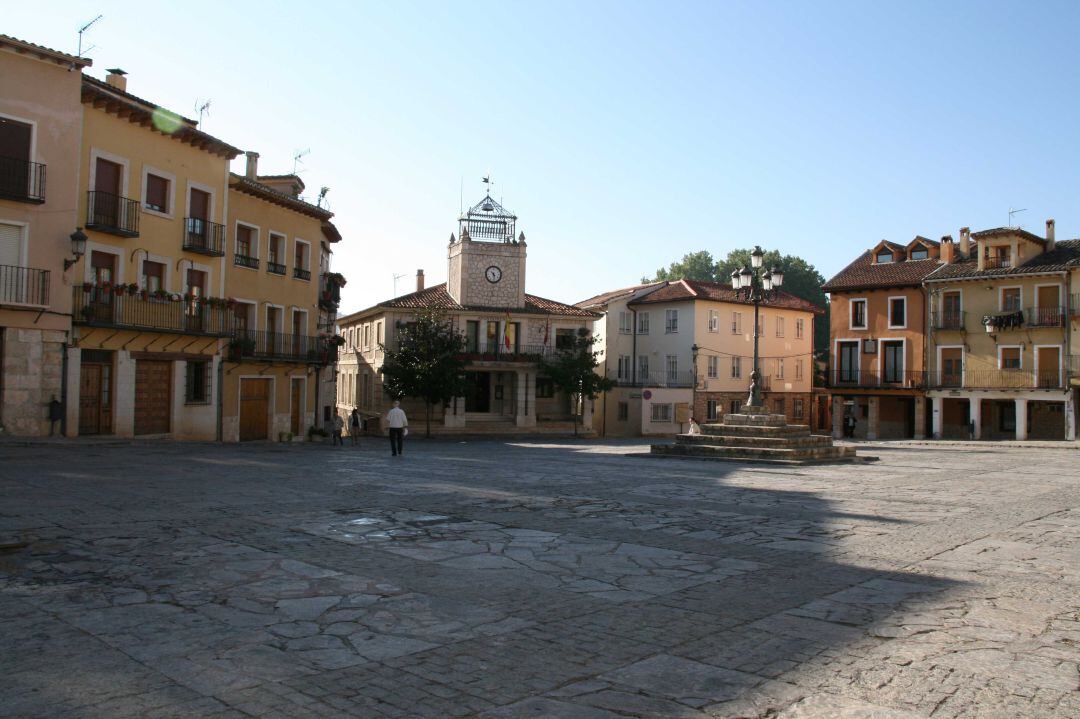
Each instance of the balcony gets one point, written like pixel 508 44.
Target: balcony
pixel 301 274
pixel 998 379
pixel 204 237
pixel 245 261
pixel 278 346
pixel 275 268
pixel 997 262
pixel 889 379
pixel 665 379
pixel 948 320
pixel 1045 316
pixel 24 286
pixel 22 181
pixel 115 307
pixel 116 215
pixel 499 352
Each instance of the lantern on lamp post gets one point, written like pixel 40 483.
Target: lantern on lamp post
pixel 752 284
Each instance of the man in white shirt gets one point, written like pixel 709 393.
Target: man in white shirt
pixel 398 422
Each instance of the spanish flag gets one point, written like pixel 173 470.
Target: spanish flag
pixel 506 331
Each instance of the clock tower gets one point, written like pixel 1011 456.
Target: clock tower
pixel 486 263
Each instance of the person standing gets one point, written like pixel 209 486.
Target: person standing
pixel 338 425
pixel 354 426
pixel 398 423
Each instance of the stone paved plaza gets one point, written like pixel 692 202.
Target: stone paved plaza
pixel 558 580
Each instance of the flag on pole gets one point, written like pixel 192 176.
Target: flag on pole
pixel 547 331
pixel 506 331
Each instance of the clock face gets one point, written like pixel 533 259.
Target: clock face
pixel 493 274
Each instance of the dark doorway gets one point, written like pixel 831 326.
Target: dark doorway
pixel 478 392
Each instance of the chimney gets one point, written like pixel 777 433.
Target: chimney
pixel 116 79
pixel 252 171
pixel 948 250
pixel 1050 235
pixel 965 242
pixel 419 280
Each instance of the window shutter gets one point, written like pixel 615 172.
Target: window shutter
pixel 10 244
pixel 157 193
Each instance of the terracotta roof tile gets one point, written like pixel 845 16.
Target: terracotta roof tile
pixel 1000 231
pixel 257 189
pixel 1064 256
pixel 437 297
pixel 606 297
pixel 43 52
pixel 688 290
pixel 864 273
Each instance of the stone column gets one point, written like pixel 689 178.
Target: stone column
pixel 454 416
pixel 920 418
pixel 124 397
pixel 873 414
pixel 1070 417
pixel 937 416
pixel 837 417
pixel 525 414
pixel 975 408
pixel 1021 418
pixel 71 410
pixel 586 414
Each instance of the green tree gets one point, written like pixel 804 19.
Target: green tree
pixel 574 370
pixel 693 266
pixel 427 363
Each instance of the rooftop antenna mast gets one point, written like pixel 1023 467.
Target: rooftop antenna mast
pixel 322 196
pixel 202 109
pixel 83 29
pixel 297 157
pixel 1013 212
pixel 396 278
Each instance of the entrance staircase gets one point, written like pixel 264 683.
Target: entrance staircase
pixel 754 435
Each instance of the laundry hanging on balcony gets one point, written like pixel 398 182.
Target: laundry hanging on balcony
pixel 1003 320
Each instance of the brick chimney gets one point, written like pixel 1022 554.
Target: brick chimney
pixel 948 250
pixel 419 280
pixel 1050 235
pixel 965 242
pixel 252 169
pixel 116 78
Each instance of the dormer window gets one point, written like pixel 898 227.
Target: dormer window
pixel 919 253
pixel 884 257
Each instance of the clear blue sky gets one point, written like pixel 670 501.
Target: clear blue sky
pixel 623 134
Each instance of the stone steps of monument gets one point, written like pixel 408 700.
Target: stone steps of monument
pixel 808 454
pixel 734 430
pixel 792 442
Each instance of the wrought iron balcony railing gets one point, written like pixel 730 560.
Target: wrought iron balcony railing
pixel 108 307
pixel 245 261
pixel 997 262
pixel 888 378
pixel 259 345
pixel 499 351
pixel 301 274
pixel 116 215
pixel 21 180
pixel 948 320
pixel 275 268
pixel 24 286
pixel 999 379
pixel 1045 316
pixel 204 237
pixel 663 379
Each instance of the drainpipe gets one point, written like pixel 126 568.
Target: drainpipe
pixel 221 396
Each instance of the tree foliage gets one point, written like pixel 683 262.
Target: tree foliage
pixel 573 370
pixel 693 266
pixel 427 362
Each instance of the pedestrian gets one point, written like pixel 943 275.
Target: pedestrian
pixel 354 425
pixel 338 425
pixel 695 428
pixel 399 426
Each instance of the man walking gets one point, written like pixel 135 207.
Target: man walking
pixel 354 426
pixel 398 422
pixel 336 427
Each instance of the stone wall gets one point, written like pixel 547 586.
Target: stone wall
pixel 32 368
pixel 467 283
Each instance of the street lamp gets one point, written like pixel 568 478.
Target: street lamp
pixel 757 287
pixel 78 247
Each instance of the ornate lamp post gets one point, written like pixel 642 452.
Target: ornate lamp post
pixel 758 287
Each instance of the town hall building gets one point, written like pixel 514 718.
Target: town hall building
pixel 507 331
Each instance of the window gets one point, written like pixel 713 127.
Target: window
pixel 299 322
pixel 736 367
pixel 736 323
pixel 714 321
pixel 643 323
pixel 848 370
pixel 919 253
pixel 798 369
pixel 858 314
pixel 643 367
pixel 275 254
pixel 378 332
pixel 672 368
pixel 799 325
pixel 624 367
pixel 1010 357
pixel 779 406
pixel 153 276
pixel 898 312
pixel 779 326
pixel 710 409
pixel 671 321
pixel 624 412
pixel 797 408
pixel 197 385
pixel 661 412
pixel 245 241
pixel 564 338
pixel 625 323
pixel 714 367
pixel 1010 299
pixel 735 406
pixel 545 388
pixel 11 243
pixel 300 256
pixel 892 352
pixel 157 193
pixel 885 256
pixel 780 368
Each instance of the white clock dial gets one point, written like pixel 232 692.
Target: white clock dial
pixel 493 274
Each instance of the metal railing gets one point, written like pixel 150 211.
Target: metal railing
pixel 275 268
pixel 684 378
pixel 301 274
pixel 104 307
pixel 1045 316
pixel 106 212
pixel 887 378
pixel 499 350
pixel 245 261
pixel 999 379
pixel 948 320
pixel 997 262
pixel 204 237
pixel 24 286
pixel 22 180
pixel 252 344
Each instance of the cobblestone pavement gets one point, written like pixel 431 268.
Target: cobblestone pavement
pixel 555 579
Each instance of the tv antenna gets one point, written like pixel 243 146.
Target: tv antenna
pixel 1013 212
pixel 202 109
pixel 83 29
pixel 297 157
pixel 396 278
pixel 322 196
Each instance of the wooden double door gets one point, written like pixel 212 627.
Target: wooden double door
pixel 153 396
pixel 95 398
pixel 255 409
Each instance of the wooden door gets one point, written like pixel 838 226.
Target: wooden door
pixel 103 267
pixel 106 197
pixel 200 205
pixel 153 396
pixel 15 158
pixel 95 399
pixel 296 405
pixel 196 288
pixel 1048 301
pixel 198 232
pixel 1049 365
pixel 952 367
pixel 849 362
pixel 254 409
